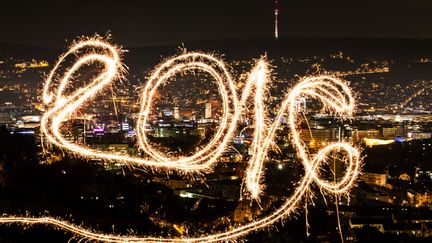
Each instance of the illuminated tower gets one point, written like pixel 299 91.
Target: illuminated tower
pixel 176 112
pixel 276 24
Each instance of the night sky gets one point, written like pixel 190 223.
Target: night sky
pixel 159 22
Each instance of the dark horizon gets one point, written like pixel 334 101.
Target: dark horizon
pixel 112 39
pixel 145 23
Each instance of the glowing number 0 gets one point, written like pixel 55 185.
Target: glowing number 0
pixel 334 94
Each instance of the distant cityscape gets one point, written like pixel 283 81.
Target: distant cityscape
pixel 393 127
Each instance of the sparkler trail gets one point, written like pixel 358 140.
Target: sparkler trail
pixel 208 155
pixel 333 93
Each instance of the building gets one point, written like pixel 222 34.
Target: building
pixel 389 132
pixel 75 133
pixel 317 137
pixel 177 113
pixel 377 179
pixel 420 135
pixel 208 110
pixel 360 134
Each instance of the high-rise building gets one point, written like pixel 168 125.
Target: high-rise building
pixel 125 126
pixel 208 110
pixel 176 113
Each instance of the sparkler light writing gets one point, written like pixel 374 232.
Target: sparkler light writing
pixel 333 93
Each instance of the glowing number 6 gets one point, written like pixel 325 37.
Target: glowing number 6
pixel 334 94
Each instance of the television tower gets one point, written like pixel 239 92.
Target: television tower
pixel 276 24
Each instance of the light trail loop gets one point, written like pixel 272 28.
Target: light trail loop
pixel 208 155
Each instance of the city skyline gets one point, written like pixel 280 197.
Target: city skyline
pixel 214 121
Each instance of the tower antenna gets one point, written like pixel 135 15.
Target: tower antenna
pixel 276 23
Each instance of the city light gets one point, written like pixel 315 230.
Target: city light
pixel 333 93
